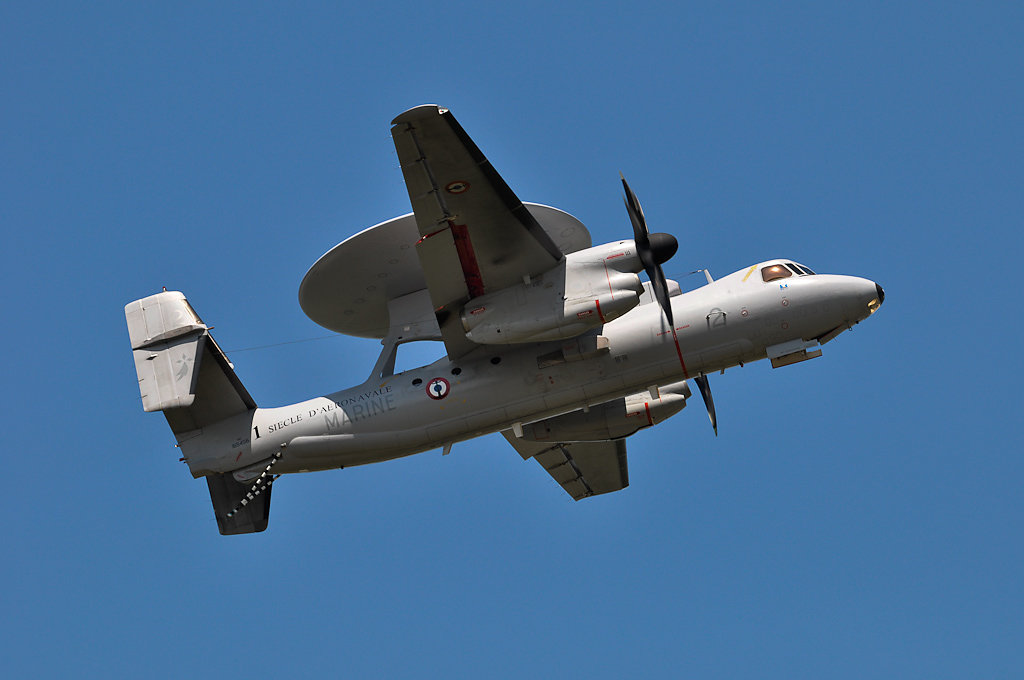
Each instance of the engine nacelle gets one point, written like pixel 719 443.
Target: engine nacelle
pixel 543 309
pixel 613 419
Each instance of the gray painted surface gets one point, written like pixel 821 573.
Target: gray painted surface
pixel 552 342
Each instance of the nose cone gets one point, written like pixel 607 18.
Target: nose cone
pixel 877 297
pixel 859 298
pixel 843 300
pixel 663 247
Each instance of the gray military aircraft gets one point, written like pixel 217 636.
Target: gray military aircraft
pixel 553 342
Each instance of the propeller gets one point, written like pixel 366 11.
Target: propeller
pixel 654 249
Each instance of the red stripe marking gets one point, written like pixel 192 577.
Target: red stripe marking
pixel 675 338
pixel 608 276
pixel 467 258
pixel 433 233
pixel 678 328
pixel 647 407
pixel 599 314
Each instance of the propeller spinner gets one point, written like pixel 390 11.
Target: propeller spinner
pixel 655 249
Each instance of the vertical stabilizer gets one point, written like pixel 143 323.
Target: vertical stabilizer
pixel 185 374
pixel 227 495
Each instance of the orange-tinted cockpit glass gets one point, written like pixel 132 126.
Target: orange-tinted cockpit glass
pixel 774 271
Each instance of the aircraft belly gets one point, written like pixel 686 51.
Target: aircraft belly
pixel 401 417
pixel 723 356
pixel 419 424
pixel 328 452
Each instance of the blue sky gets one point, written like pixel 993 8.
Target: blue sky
pixel 859 515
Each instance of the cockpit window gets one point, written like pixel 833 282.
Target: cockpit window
pixel 773 272
pixel 799 269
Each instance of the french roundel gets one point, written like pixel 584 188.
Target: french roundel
pixel 438 388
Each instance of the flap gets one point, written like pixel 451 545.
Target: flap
pixel 581 468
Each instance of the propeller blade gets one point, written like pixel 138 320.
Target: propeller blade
pixel 652 250
pixel 709 402
pixel 660 287
pixel 636 216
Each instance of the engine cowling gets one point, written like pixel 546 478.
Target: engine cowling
pixel 541 310
pixel 613 419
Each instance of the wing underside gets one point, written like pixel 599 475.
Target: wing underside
pixel 581 468
pixel 476 236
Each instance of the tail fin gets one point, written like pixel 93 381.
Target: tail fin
pixel 184 373
pixel 227 495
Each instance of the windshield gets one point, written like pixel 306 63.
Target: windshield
pixel 774 272
pixel 800 269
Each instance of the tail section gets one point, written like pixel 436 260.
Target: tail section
pixel 184 373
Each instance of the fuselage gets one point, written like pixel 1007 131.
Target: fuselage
pixel 731 321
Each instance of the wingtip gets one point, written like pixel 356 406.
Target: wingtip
pixel 418 113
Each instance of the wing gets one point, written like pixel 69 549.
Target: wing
pixel 582 468
pixel 475 234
